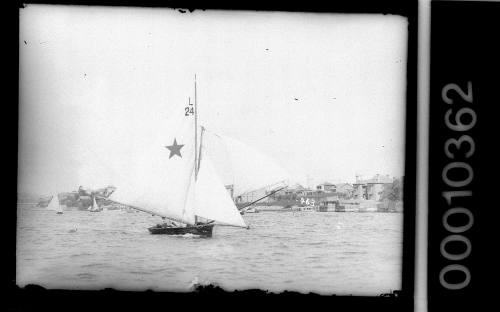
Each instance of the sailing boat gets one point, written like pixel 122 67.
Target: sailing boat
pixel 94 207
pixel 54 205
pixel 174 177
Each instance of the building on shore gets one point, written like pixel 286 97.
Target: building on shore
pixel 371 189
pixel 344 190
pixel 390 206
pixel 366 195
pixel 328 203
pixel 326 187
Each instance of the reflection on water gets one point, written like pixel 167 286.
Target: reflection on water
pixel 341 253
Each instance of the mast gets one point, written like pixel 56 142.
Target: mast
pixel 195 140
pixel 195 132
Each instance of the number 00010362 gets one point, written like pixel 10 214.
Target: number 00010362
pixel 458 150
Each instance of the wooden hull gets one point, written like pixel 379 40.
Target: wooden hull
pixel 204 230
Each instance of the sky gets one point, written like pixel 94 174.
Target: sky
pixel 322 94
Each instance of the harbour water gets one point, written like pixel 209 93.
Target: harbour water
pixel 320 252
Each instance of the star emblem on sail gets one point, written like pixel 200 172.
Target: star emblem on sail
pixel 175 149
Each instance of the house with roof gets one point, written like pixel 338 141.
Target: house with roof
pixel 326 187
pixel 370 189
pixel 291 190
pixel 344 190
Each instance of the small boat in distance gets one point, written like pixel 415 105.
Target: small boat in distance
pixel 54 205
pixel 250 210
pixel 94 207
pixel 308 209
pixel 174 177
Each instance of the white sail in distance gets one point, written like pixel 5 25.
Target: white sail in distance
pixel 54 204
pixel 250 169
pixel 160 173
pixel 94 207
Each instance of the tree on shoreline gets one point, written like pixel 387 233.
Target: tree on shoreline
pixel 394 191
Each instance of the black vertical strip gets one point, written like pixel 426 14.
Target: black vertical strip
pixel 409 182
pixel 463 49
pixel 10 161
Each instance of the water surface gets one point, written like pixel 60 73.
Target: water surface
pixel 325 253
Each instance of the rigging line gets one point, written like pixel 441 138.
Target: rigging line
pixel 201 145
pixel 264 187
pixel 275 191
pixel 191 184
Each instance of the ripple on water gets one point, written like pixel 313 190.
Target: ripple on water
pixel 86 275
pixel 350 253
pixel 143 272
pixel 83 254
pixel 280 251
pixel 92 265
pixel 321 243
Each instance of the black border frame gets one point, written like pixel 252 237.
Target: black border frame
pixel 35 297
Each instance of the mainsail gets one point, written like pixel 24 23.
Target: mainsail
pixel 161 175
